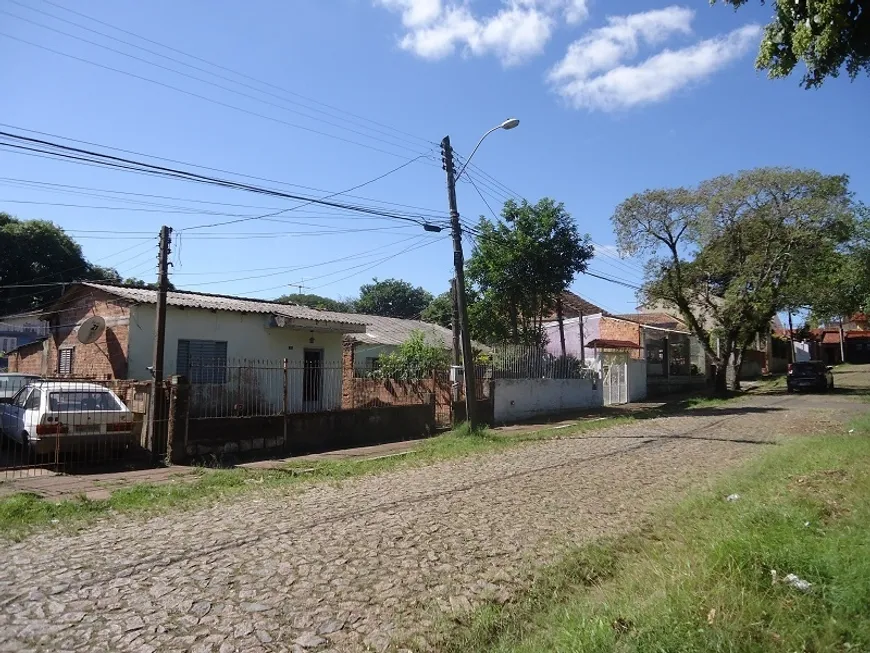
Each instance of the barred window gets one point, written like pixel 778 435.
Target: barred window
pixel 202 361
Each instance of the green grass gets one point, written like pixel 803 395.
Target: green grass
pixel 699 578
pixel 23 513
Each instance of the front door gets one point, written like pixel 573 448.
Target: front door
pixel 312 380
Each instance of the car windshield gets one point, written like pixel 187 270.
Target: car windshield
pixel 75 400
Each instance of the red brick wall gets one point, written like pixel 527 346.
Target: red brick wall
pixel 28 359
pixel 104 359
pixel 611 329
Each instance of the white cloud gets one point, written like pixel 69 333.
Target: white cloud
pixel 515 33
pixel 592 74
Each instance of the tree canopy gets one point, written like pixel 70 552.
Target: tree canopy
pixel 732 252
pixel 825 34
pixel 440 310
pixel 317 301
pixel 519 268
pixel 36 252
pixel 393 298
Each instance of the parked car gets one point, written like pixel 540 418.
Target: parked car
pixel 809 375
pixel 49 416
pixel 11 383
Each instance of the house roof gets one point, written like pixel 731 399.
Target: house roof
pixel 184 299
pixel 660 320
pixel 394 331
pixel 573 305
pixel 604 343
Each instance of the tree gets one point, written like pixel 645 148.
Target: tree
pixel 520 267
pixel 139 283
pixel 393 298
pixel 730 253
pixel 317 301
pixel 824 34
pixel 440 310
pixel 413 359
pixel 39 258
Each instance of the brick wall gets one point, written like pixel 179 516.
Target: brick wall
pixel 347 373
pixel 29 359
pixel 104 359
pixel 611 329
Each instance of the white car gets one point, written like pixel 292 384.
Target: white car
pixel 50 416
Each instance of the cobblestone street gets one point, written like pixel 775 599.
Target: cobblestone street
pixel 356 565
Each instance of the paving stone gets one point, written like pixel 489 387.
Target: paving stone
pixel 368 562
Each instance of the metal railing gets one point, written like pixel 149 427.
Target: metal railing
pixel 521 362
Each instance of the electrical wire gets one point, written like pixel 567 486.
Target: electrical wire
pixel 198 95
pixel 237 73
pixel 200 69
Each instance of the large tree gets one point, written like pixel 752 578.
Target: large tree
pixel 824 34
pixel 36 259
pixel 519 268
pixel 317 301
pixel 440 310
pixel 728 253
pixel 392 298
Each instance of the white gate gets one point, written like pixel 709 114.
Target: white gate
pixel 615 384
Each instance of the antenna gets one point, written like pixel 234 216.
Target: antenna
pixel 91 329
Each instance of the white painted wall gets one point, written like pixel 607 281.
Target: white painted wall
pixel 636 380
pixel 802 352
pixel 247 336
pixel 518 399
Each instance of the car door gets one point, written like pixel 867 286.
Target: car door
pixel 31 412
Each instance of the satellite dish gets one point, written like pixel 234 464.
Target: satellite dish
pixel 91 329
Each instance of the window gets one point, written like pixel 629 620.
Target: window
pixel 65 360
pixel 33 400
pixel 8 344
pixel 79 400
pixel 373 364
pixel 20 400
pixel 202 361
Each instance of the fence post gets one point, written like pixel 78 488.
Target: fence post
pixel 176 431
pixel 284 401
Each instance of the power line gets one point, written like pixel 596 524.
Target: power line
pixel 237 73
pixel 200 167
pixel 111 161
pixel 200 69
pixel 199 95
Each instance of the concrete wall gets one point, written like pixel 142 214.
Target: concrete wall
pixel 637 390
pixel 519 399
pixel 248 336
pixel 307 433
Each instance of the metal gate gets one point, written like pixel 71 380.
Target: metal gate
pixel 615 384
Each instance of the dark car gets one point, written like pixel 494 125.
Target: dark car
pixel 810 375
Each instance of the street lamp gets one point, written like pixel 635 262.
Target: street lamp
pixel 459 297
pixel 510 123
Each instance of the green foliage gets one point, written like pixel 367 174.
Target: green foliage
pixel 318 302
pixel 440 310
pixel 824 34
pixel 413 359
pixel 519 267
pixel 393 298
pixel 133 282
pixel 37 252
pixel 736 250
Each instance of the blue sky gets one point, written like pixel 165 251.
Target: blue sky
pixel 611 102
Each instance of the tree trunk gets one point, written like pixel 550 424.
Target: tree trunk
pixel 842 343
pixel 560 317
pixel 720 380
pixel 792 357
pixel 736 366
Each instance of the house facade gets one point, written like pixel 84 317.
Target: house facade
pixel 211 339
pixel 18 330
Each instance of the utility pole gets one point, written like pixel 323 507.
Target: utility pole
pixel 155 412
pixel 459 285
pixel 457 345
pixel 793 357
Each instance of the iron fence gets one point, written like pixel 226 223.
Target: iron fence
pixel 263 387
pixel 521 362
pixel 58 425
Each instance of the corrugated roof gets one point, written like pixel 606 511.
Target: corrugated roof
pixel 605 343
pixel 573 305
pixel 227 303
pixel 661 320
pixel 394 331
